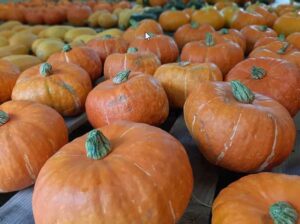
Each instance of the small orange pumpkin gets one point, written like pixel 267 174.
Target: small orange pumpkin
pixel 235 36
pixel 171 20
pixel 78 14
pixel 262 9
pixel 288 23
pixel 294 39
pixel 209 15
pixel 266 40
pixel 244 18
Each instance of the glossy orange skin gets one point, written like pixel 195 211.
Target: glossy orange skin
pixel 135 62
pixel 144 26
pixel 85 57
pixel 237 136
pixel 288 23
pixel 9 74
pixel 260 191
pixel 270 17
pixel 144 161
pixel 243 18
pixel 272 83
pixel 31 136
pixel 253 34
pixel 235 36
pixel 78 14
pixel 179 81
pixel 209 16
pixel 105 47
pixel 187 33
pixel 294 39
pixel 197 51
pixel 171 20
pixel 163 46
pixel 264 41
pixel 52 91
pixel 292 54
pixel 140 99
pixel 284 8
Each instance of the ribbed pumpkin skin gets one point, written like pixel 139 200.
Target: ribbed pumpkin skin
pixel 243 18
pixel 33 134
pixel 178 81
pixel 9 74
pixel 141 99
pixel 52 90
pixel 237 136
pixel 235 36
pixel 294 39
pixel 248 200
pixel 281 82
pixel 136 62
pixel 85 57
pixel 145 161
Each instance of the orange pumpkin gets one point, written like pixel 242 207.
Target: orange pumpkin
pixel 161 45
pixel 253 33
pixel 269 197
pixel 288 23
pixel 209 15
pixel 294 39
pixel 114 169
pixel 78 14
pixel 179 79
pixel 237 129
pixel 38 132
pixel 62 86
pixel 34 15
pixel 122 5
pixel 157 2
pixel 132 60
pixel 15 12
pixel 265 76
pixel 9 74
pixel 266 40
pixel 171 20
pixel 228 13
pixel 244 18
pixel 235 36
pixel 214 49
pixel 191 32
pixel 85 57
pixel 54 15
pixel 262 9
pixel 107 45
pixel 138 98
pixel 222 4
pixel 103 6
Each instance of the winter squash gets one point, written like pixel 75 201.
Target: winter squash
pixel 54 15
pixel 244 18
pixel 293 21
pixel 62 86
pixel 214 49
pixel 191 32
pixel 223 4
pixel 37 29
pixel 122 5
pixel 228 13
pixel 25 38
pixel 235 36
pixel 270 199
pixel 107 20
pixel 71 34
pixel 171 20
pixel 93 18
pixel 103 6
pixel 138 29
pixel 85 57
pixel 209 15
pixel 163 46
pixel 9 74
pixel 263 10
pixel 237 129
pixel 35 140
pixel 78 14
pixel 179 79
pixel 13 49
pixel 117 163
pixel 55 32
pixel 38 41
pixel 138 97
pixel 46 48
pixel 253 33
pixel 278 49
pixel 145 62
pixel 23 61
pixel 114 32
pixel 3 41
pixel 265 76
pixel 282 9
pixel 34 15
pixel 108 45
pixel 294 39
pixel 266 40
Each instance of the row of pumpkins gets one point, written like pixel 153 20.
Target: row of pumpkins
pixel 129 171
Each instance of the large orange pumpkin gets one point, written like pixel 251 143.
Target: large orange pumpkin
pixel 85 57
pixel 294 39
pixel 214 49
pixel 123 173
pixel 9 74
pixel 62 86
pixel 244 18
pixel 288 23
pixel 107 45
pixel 30 133
pixel 179 79
pixel 162 45
pixel 259 198
pixel 145 62
pixel 137 97
pixel 237 129
pixel 278 79
pixel 171 20
pixel 235 36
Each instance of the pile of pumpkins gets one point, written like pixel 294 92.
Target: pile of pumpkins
pixel 234 72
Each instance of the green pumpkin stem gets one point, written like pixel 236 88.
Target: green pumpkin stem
pixel 121 77
pixel 184 63
pixel 133 23
pixel 97 145
pixel 241 92
pixel 67 47
pixel 285 46
pixel 283 213
pixel 107 36
pixel 224 31
pixel 209 40
pixel 281 37
pixel 132 50
pixel 194 25
pixel 3 117
pixel 263 28
pixel 45 69
pixel 258 72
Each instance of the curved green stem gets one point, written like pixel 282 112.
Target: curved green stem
pixel 3 117
pixel 67 47
pixel 132 50
pixel 281 37
pixel 224 31
pixel 258 72
pixel 45 69
pixel 285 46
pixel 194 25
pixel 263 28
pixel 241 92
pixel 209 40
pixel 107 36
pixel 283 213
pixel 121 77
pixel 97 146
